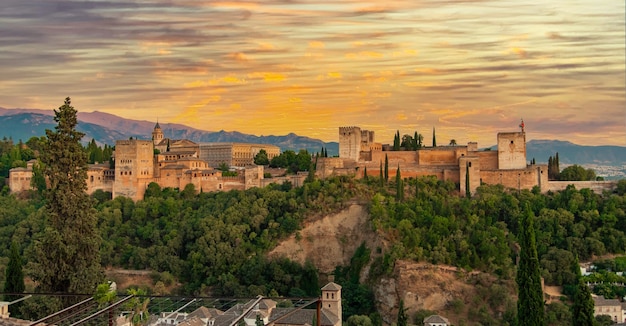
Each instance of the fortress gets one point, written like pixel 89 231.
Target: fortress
pixel 358 153
pixel 177 163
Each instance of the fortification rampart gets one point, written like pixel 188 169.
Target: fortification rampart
pixel 595 186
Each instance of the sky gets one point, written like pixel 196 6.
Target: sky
pixel 469 68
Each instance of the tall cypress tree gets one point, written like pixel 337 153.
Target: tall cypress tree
pixel 402 316
pixel 530 304
pixel 415 141
pixel 66 256
pixel 14 278
pixel 434 138
pixel 399 185
pixel 386 168
pixel 381 174
pixel 582 308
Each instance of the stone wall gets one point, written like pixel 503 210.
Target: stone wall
pixel 595 186
pixel 516 179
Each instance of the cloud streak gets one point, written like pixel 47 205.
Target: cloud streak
pixel 470 68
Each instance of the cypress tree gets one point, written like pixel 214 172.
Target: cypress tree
pixel 381 174
pixel 365 173
pixel 582 308
pixel 399 185
pixel 415 141
pixel 557 169
pixel 402 316
pixel 530 304
pixel 434 138
pixel 66 255
pixel 386 168
pixel 14 278
pixel 396 141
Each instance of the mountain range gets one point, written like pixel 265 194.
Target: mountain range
pixel 106 128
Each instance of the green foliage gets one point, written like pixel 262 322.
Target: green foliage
pixel 386 168
pixel 558 314
pixel 582 307
pixel 553 167
pixel 359 320
pixel 402 319
pixel 65 256
pixel 577 173
pixel 418 317
pixel 604 320
pixel 396 141
pixel 530 305
pixel 261 158
pixel 14 279
pixel 291 161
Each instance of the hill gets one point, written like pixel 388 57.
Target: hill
pixel 106 128
pixel 570 153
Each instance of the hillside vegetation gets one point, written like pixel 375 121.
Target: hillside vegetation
pixel 218 243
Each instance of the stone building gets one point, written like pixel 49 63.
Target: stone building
pixel 176 165
pixel 508 165
pixel 234 154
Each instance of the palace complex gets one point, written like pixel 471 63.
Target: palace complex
pixel 177 163
pixel 359 152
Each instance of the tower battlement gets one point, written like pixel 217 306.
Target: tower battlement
pixel 349 130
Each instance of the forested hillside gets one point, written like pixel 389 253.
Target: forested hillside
pixel 216 243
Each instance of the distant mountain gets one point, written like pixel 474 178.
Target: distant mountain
pixel 570 153
pixel 107 128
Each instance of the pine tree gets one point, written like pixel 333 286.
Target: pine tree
pixel 386 168
pixel 530 304
pixel 402 316
pixel 14 278
pixel 582 308
pixel 434 138
pixel 66 256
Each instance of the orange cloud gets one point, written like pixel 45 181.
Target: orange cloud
pixel 316 45
pixel 238 56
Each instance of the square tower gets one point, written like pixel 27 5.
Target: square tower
pixel 134 167
pixel 331 299
pixel 511 150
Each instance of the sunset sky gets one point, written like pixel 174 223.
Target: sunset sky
pixel 469 68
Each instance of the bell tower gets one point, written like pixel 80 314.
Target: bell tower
pixel 157 134
pixel 331 299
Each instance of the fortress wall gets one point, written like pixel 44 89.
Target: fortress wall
pixel 595 186
pixel 394 157
pixel 517 179
pixel 296 180
pixel 448 173
pixel 441 156
pixel 488 160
